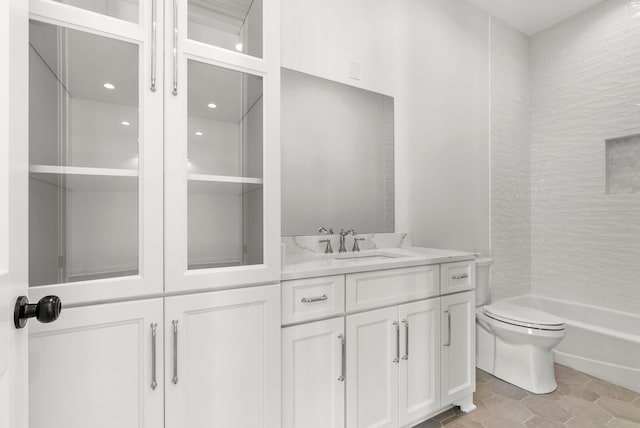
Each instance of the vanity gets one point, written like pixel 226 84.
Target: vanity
pixel 382 337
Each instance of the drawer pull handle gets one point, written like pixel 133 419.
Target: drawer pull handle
pixel 343 358
pixel 461 276
pixel 314 299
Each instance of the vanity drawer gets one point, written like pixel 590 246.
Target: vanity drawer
pixel 368 290
pixel 312 298
pixel 459 276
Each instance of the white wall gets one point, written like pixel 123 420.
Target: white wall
pixel 586 89
pixel 510 162
pixel 433 58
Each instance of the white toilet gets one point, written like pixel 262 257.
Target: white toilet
pixel 513 342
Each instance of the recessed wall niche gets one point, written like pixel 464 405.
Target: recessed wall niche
pixel 623 164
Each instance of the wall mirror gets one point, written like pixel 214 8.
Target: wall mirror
pixel 337 157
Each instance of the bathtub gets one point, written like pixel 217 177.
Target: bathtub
pixel 601 342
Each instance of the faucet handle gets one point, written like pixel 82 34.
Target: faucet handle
pixel 356 247
pixel 324 230
pixel 328 249
pixel 346 232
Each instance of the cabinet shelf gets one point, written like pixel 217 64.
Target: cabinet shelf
pixel 224 179
pixel 83 178
pixel 222 184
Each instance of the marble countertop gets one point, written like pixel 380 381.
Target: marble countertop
pixel 313 265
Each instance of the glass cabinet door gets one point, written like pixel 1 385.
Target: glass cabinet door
pixel 222 152
pixel 224 167
pixel 229 24
pixel 91 178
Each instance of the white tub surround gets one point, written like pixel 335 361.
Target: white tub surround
pixel 379 337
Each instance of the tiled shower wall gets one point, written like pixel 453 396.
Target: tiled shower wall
pixel 585 80
pixel 510 162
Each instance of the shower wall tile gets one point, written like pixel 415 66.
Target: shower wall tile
pixel 510 162
pixel 585 80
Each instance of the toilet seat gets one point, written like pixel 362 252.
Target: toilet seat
pixel 523 317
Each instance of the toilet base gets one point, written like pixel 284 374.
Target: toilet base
pixel 525 366
pixel 524 361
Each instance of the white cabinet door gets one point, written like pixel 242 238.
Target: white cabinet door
pixel 222 166
pixel 313 375
pixel 458 346
pixel 94 367
pixel 419 386
pixel 372 369
pixel 223 359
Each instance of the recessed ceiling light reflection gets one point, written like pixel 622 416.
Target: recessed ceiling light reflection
pixel 125 123
pixel 239 47
pixel 109 85
pixel 199 134
pixel 211 105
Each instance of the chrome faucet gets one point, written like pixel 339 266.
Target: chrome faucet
pixel 343 236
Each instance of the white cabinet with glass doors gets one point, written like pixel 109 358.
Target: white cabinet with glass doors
pixel 111 85
pixel 221 144
pixel 95 152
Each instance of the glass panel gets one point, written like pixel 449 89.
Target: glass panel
pixel 121 9
pixel 224 224
pixel 229 24
pixel 83 99
pixel 82 228
pixel 224 122
pixel 83 148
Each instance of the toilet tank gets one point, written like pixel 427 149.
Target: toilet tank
pixel 483 281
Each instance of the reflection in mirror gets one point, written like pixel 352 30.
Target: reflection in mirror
pixel 230 24
pixel 83 154
pixel 337 157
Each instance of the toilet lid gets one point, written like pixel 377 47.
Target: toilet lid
pixel 523 316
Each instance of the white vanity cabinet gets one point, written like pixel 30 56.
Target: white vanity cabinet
pixel 313 375
pixel 458 348
pixel 408 352
pixel 223 359
pixel 98 366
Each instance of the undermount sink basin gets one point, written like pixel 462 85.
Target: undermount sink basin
pixel 365 257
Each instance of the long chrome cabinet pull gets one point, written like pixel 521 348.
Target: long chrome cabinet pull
pixel 448 328
pixel 154 381
pixel 314 299
pixel 175 47
pixel 397 327
pixel 154 37
pixel 406 339
pixel 175 352
pixel 344 357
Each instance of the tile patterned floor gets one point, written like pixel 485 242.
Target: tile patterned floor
pixel 581 401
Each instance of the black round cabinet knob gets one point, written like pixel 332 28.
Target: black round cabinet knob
pixel 46 310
